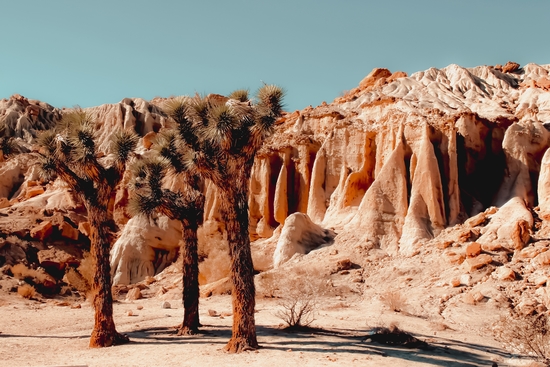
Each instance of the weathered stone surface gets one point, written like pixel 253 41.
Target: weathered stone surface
pixel 473 263
pixel 473 249
pixel 299 235
pixel 504 273
pixel 42 231
pixel 133 294
pixel 68 231
pixel 34 191
pixel 57 258
pixel 84 228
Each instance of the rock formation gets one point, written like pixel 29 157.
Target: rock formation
pixel 391 165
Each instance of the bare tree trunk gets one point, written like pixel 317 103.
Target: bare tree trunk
pixel 104 333
pixel 190 258
pixel 242 272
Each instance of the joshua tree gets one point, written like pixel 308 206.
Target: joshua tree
pixel 218 138
pixel 70 153
pixel 187 206
pixel 7 145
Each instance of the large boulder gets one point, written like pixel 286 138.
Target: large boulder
pixel 144 248
pixel 299 235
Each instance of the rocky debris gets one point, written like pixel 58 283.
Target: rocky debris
pixel 473 249
pixel 504 273
pixel 56 258
pixel 166 304
pixel 510 67
pixel 68 231
pixel 134 294
pixel 42 231
pixel 473 263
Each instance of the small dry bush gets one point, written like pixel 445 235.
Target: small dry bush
pixel 528 335
pixel 299 298
pixel 214 249
pixel 86 268
pixel 26 291
pixel 394 300
pixel 20 271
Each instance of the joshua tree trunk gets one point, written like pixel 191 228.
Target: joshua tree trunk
pixel 191 322
pixel 104 333
pixel 242 271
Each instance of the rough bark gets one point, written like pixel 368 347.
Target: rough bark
pixel 104 333
pixel 190 258
pixel 235 210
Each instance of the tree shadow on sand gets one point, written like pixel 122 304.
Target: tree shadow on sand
pixel 418 348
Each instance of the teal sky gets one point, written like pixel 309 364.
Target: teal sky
pixel 69 52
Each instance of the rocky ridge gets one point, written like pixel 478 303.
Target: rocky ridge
pixel 446 165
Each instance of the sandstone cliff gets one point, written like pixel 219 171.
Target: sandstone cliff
pixel 391 165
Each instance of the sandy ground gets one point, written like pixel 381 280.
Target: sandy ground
pixel 45 334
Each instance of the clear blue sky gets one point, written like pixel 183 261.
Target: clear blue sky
pixel 68 52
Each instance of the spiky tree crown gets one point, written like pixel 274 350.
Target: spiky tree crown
pixel 213 129
pixel 70 151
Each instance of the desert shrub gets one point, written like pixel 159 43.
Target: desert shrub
pixel 394 300
pixel 525 334
pixel 26 291
pixel 20 271
pixel 299 299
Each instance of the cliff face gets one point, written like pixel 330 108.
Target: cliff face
pixel 392 164
pixel 398 159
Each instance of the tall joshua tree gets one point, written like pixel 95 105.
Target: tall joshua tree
pixel 218 138
pixel 7 145
pixel 186 206
pixel 70 153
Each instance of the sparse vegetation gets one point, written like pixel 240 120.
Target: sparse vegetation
pixel 26 291
pixel 299 299
pixel 394 300
pixel 525 334
pixel 70 153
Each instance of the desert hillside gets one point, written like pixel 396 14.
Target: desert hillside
pixel 425 196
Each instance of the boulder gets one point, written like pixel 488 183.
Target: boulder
pixel 68 231
pixel 42 231
pixel 299 235
pixel 471 264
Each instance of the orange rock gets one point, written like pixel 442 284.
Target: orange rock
pixel 473 249
pixel 4 203
pixel 55 258
pixel 504 273
pixel 473 263
pixel 84 228
pixel 375 74
pixel 42 231
pixel 34 191
pixel 510 67
pixel 492 246
pixel 68 231
pixel 543 259
pixel 396 75
pixel 543 83
pixel 133 294
pixel 148 139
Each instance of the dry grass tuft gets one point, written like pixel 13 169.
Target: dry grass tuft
pixel 299 298
pixel 394 300
pixel 528 335
pixel 20 271
pixel 26 291
pixel 86 268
